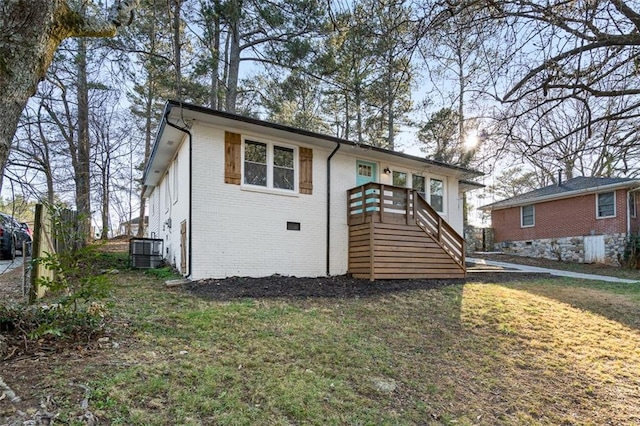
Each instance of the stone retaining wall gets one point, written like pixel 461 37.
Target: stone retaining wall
pixel 478 239
pixel 568 249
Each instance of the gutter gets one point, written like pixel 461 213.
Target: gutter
pixel 557 196
pixel 154 149
pixel 292 130
pixel 329 206
pixel 185 130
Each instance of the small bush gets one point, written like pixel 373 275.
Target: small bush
pixel 111 261
pixel 75 287
pixel 36 322
pixel 77 278
pixel 632 252
pixel 164 272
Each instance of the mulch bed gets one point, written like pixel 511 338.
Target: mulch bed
pixel 278 286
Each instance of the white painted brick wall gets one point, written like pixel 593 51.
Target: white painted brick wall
pixel 238 231
pixel 153 228
pixel 176 211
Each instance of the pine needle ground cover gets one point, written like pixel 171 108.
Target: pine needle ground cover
pixel 539 352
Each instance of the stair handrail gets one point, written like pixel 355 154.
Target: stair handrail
pixel 445 235
pixel 413 206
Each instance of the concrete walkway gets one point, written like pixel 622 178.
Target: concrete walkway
pixel 556 272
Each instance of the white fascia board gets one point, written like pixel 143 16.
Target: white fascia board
pixel 571 194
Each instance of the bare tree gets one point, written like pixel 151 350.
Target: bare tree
pixel 604 148
pixel 583 52
pixel 30 32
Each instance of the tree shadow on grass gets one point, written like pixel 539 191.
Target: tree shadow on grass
pixel 609 300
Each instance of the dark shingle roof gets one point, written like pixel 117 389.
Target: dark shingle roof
pixel 565 189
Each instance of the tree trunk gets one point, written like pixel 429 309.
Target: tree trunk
pixel 234 69
pixel 215 69
pixel 31 31
pixel 177 47
pixel 147 150
pixel 106 173
pixel 82 173
pixel 30 38
pixel 461 92
pixel 390 102
pixel 233 58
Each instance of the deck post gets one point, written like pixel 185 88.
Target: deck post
pixel 406 206
pixel 364 201
pixel 381 203
pixel 372 244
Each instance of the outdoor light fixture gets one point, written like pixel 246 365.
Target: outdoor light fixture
pixel 387 170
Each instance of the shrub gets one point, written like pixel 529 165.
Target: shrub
pixel 632 252
pixel 53 321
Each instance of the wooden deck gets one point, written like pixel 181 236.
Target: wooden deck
pixel 395 234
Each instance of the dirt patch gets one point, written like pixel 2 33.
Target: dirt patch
pixel 278 286
pixel 115 245
pixel 11 286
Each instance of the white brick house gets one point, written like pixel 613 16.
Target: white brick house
pixel 235 196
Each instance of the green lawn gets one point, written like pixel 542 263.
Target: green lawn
pixel 538 352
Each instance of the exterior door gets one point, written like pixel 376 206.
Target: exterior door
pixel 183 247
pixel 594 249
pixel 366 172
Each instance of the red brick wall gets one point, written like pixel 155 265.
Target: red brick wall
pixel 563 218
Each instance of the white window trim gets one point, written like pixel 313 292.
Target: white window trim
pixel 522 225
pixel 175 180
pixel 407 174
pixel 167 193
pixel 269 187
pixel 427 183
pixel 598 206
pixel 632 198
pixel 442 179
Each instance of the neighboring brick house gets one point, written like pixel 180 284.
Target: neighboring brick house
pixel 585 219
pixel 235 196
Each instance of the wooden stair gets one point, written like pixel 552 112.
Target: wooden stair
pixel 395 234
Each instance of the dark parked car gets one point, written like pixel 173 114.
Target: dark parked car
pixel 12 237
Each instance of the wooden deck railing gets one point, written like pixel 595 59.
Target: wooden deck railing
pixel 393 204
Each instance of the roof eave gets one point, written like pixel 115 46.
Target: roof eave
pixel 460 172
pixel 500 205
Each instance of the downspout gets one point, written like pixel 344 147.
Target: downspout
pixel 629 210
pixel 185 130
pixel 329 206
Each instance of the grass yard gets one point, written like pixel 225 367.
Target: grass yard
pixel 543 352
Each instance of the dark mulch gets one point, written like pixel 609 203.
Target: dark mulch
pixel 278 286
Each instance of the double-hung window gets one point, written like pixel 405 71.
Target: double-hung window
pixel 399 179
pixel 527 216
pixel 269 165
pixel 176 176
pixel 419 184
pixel 436 194
pixel 606 204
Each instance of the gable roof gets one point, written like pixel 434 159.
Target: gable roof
pixel 186 114
pixel 571 188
